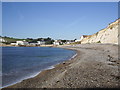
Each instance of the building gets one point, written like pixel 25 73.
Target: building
pixel 41 42
pixel 2 40
pixel 13 44
pixel 69 41
pixel 33 44
pixel 57 42
pixel 22 42
pixel 78 40
pixel 84 36
pixel 81 38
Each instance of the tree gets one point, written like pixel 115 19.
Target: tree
pixel 47 39
pixel 63 41
pixel 40 39
pixel 29 38
pixel 75 39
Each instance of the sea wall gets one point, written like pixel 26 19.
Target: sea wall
pixel 107 35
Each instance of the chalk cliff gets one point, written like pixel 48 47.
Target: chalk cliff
pixel 107 35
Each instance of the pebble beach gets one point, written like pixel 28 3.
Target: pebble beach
pixel 94 66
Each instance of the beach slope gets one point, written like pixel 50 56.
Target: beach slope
pixel 96 65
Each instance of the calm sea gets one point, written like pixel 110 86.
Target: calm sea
pixel 19 63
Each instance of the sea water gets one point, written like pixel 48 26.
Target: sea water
pixel 19 63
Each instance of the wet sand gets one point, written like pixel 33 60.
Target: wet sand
pixel 96 65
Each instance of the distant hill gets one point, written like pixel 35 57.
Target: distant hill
pixel 8 40
pixel 11 40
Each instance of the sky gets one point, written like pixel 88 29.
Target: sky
pixel 60 0
pixel 58 20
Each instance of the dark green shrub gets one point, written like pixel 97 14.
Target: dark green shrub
pixel 99 42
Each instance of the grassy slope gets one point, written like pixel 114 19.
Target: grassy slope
pixel 8 39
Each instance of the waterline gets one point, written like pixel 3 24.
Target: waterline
pixel 35 64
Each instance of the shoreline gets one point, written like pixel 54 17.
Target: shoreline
pixel 37 73
pixel 31 76
pixel 90 68
pixel 9 45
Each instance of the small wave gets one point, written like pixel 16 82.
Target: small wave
pixel 51 67
pixel 28 77
pixel 36 73
pixel 73 56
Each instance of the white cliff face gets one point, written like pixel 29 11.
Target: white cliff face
pixel 107 35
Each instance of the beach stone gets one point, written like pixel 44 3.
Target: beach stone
pixel 89 69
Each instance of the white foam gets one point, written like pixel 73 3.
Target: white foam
pixel 28 77
pixel 73 56
pixel 51 67
pixel 35 74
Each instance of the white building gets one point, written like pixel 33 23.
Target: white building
pixel 84 36
pixel 81 38
pixel 2 40
pixel 69 41
pixel 13 43
pixel 33 44
pixel 78 40
pixel 22 42
pixel 57 42
pixel 41 42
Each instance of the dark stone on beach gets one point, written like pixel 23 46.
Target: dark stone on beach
pixel 118 77
pixel 113 60
pixel 111 64
pixel 64 63
pixel 44 88
pixel 57 81
pixel 118 63
pixel 70 84
pixel 110 58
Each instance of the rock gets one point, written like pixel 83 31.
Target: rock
pixel 109 58
pixel 57 81
pixel 63 62
pixel 107 35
